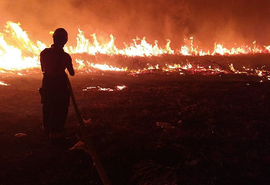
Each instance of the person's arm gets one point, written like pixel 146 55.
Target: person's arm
pixel 70 66
pixel 42 61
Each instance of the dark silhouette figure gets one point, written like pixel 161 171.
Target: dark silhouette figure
pixel 55 92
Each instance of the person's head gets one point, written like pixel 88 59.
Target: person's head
pixel 60 37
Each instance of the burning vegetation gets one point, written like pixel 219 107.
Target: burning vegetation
pixel 169 92
pixel 19 55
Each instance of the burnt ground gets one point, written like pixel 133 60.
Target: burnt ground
pixel 161 129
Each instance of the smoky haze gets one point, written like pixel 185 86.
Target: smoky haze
pixel 208 21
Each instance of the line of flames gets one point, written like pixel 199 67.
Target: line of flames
pixel 18 52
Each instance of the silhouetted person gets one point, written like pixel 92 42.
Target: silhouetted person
pixel 55 92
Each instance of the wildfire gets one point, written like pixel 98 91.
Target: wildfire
pixel 18 52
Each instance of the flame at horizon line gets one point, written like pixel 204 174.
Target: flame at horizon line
pixel 18 52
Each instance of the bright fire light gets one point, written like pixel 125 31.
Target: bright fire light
pixel 3 83
pixel 18 52
pixel 98 88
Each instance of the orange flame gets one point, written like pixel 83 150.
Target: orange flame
pixel 18 52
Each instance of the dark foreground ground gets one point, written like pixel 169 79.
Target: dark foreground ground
pixel 161 129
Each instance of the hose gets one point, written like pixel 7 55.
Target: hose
pixel 90 147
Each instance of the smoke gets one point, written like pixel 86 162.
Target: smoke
pixel 208 21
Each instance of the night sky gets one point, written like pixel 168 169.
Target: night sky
pixel 208 21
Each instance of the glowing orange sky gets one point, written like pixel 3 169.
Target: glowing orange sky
pixel 208 21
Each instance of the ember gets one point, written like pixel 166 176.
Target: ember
pixel 3 83
pixel 98 88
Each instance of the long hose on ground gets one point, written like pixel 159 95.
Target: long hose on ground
pixel 90 147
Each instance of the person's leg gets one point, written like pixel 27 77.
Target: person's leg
pixel 47 113
pixel 59 116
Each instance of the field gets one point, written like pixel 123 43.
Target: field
pixel 160 129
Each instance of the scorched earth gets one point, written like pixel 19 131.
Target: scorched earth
pixel 158 129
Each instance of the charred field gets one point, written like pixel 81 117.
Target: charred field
pixel 160 129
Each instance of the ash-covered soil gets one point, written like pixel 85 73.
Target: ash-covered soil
pixel 160 129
